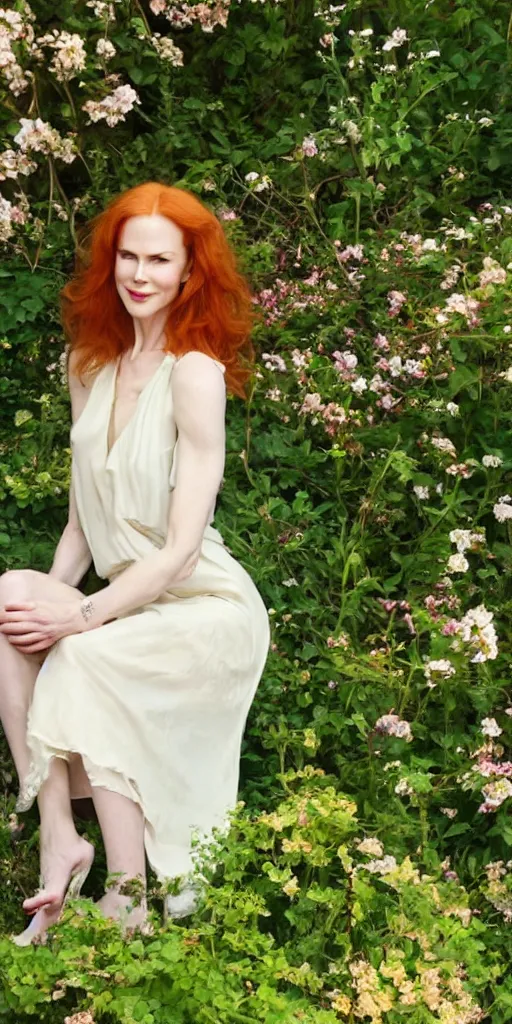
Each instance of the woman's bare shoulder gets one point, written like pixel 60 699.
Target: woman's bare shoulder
pixel 79 385
pixel 78 381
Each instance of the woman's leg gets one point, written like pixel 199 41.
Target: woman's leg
pixel 18 672
pixel 63 852
pixel 122 827
pixel 64 855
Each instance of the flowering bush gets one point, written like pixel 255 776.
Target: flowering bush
pixel 361 170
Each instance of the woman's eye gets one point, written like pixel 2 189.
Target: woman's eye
pixel 126 256
pixel 161 259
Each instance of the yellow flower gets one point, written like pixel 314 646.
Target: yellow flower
pixel 342 1004
pixel 292 887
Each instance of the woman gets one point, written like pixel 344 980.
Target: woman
pixel 145 687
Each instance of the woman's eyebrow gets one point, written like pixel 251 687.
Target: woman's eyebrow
pixel 168 252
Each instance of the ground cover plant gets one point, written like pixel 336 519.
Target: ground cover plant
pixel 359 158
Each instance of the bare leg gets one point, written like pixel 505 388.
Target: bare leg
pixel 18 672
pixel 122 827
pixel 63 852
pixel 66 858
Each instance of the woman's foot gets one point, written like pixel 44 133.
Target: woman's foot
pixel 65 864
pixel 130 914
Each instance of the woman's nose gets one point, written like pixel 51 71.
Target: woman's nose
pixel 140 273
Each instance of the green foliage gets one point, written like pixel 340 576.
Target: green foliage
pixel 363 179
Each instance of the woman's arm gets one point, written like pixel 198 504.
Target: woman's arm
pixel 199 399
pixel 72 556
pixel 199 396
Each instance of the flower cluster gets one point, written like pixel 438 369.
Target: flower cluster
pixel 393 725
pixel 499 889
pixel 69 57
pixel 12 164
pixel 14 30
pixel 258 182
pixel 492 273
pixel 503 509
pixel 167 50
pixel 372 1000
pixel 438 670
pixel 9 215
pixel 209 16
pixel 477 631
pixel 114 107
pixel 495 794
pixel 39 137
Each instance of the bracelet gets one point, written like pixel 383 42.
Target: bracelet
pixel 87 609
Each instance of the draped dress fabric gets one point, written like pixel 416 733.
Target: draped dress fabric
pixel 156 700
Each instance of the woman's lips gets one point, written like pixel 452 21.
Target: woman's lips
pixel 138 296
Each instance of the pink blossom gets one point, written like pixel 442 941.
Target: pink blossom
pixel 451 628
pixel 312 403
pixel 495 794
pixel 344 362
pixel 114 107
pixel 396 300
pixel 274 362
pixel 351 252
pixel 309 146
pixel 392 725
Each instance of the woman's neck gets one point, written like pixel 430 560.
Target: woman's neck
pixel 150 334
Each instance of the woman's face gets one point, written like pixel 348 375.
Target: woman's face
pixel 151 263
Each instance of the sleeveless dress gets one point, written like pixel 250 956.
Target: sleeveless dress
pixel 155 701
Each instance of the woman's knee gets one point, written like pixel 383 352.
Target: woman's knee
pixel 16 585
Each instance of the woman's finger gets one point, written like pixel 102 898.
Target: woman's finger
pixel 27 639
pixel 19 627
pixel 19 606
pixel 35 648
pixel 20 616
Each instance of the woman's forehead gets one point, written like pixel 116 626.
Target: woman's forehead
pixel 152 234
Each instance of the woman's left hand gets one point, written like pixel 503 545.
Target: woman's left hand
pixel 36 625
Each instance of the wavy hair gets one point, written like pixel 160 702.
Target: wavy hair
pixel 211 314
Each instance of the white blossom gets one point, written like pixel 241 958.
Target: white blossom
pixel 114 107
pixel 167 50
pixel 490 727
pixel 491 461
pixel 502 511
pixel 371 846
pixel 397 38
pixel 492 273
pixel 422 493
pixel 359 385
pixel 457 563
pixel 442 669
pixel 105 49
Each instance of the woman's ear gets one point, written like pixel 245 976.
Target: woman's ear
pixel 187 272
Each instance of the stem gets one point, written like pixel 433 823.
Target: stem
pixel 357 199
pixel 71 101
pixel 443 515
pixel 142 13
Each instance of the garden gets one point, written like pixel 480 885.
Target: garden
pixel 359 157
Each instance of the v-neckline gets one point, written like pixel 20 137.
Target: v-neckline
pixel 113 398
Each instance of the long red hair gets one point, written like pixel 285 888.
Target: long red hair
pixel 212 313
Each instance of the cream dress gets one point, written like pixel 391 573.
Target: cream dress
pixel 156 700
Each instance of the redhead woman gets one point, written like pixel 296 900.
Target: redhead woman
pixel 137 695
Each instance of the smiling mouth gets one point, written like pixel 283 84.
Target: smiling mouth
pixel 139 295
